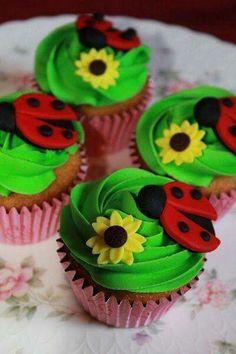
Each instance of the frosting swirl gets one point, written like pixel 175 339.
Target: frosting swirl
pixel 162 266
pixel 214 159
pixel 27 169
pixel 55 70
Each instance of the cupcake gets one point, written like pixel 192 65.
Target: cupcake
pixel 101 71
pixel 191 137
pixel 133 243
pixel 40 161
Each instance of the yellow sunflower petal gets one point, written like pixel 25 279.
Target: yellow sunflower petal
pixel 99 228
pixel 127 220
pixel 116 219
pixel 99 246
pixel 133 245
pixel 104 257
pixel 128 257
pixel 163 142
pixel 179 159
pixel 188 156
pixel 174 128
pixel 169 156
pixel 103 220
pixel 199 135
pixel 91 241
pixel 116 254
pixel 139 238
pixel 132 227
pixel 166 133
pixel 103 52
pixel 192 129
pixel 185 125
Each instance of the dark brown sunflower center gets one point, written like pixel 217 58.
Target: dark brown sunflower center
pixel 97 67
pixel 115 236
pixel 179 141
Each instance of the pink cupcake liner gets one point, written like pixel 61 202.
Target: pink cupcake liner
pixel 28 226
pixel 134 154
pixel 109 310
pixel 110 133
pixel 222 203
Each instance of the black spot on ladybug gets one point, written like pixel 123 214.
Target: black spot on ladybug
pixel 58 105
pixel 45 130
pixel 92 38
pixel 205 236
pixel 151 201
pixel 7 117
pixel 90 22
pixel 232 130
pixel 98 16
pixel 207 111
pixel 179 141
pixel 128 34
pixel 115 236
pixel 67 134
pixel 112 29
pixel 196 194
pixel 97 67
pixel 205 223
pixel 177 192
pixel 33 102
pixel 183 226
pixel 227 102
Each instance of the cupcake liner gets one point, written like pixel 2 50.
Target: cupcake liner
pixel 135 157
pixel 222 203
pixel 110 133
pixel 28 226
pixel 123 314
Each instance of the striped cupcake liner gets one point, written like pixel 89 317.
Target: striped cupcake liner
pixel 108 309
pixel 28 226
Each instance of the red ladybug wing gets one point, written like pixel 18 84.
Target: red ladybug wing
pixel 45 107
pixel 55 138
pixel 226 123
pixel 88 21
pixel 192 240
pixel 115 40
pixel 187 203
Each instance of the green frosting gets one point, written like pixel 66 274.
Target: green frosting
pixel 162 266
pixel 216 159
pixel 55 70
pixel 27 169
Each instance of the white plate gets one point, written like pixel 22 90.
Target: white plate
pixel 47 320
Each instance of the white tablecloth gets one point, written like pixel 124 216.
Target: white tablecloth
pixel 41 315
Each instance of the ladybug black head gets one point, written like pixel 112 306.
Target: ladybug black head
pixel 129 33
pixel 151 201
pixel 207 111
pixel 98 16
pixel 92 38
pixel 7 117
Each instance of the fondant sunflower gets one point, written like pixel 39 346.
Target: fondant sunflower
pixel 116 239
pixel 98 68
pixel 181 143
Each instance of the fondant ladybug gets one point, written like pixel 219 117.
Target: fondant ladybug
pixel 184 213
pixel 96 32
pixel 39 119
pixel 219 114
